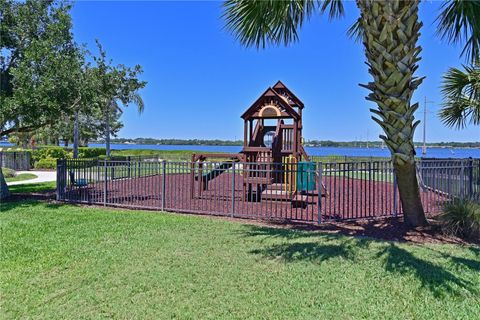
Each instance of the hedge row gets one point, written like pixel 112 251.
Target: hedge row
pixel 46 157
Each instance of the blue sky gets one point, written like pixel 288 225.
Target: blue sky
pixel 200 80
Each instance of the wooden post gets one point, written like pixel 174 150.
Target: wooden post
pixel 245 132
pixel 295 138
pixel 250 128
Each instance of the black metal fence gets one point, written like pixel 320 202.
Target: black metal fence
pixel 305 191
pixel 16 160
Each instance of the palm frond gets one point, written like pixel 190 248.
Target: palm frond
pixel 334 7
pixel 458 21
pixel 454 82
pixel 454 113
pixel 461 92
pixel 114 106
pixel 356 31
pixel 259 23
pixel 137 100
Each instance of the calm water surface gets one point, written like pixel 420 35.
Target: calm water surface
pixel 313 151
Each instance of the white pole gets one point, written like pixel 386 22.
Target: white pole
pixel 424 148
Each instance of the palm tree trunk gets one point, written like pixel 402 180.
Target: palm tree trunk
pixel 4 192
pixel 390 35
pixel 107 130
pixel 76 136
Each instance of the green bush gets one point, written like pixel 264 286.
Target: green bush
pixel 461 218
pixel 62 153
pixel 46 163
pixel 8 173
pixel 50 153
pixel 87 152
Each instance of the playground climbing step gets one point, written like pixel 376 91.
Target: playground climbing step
pixel 279 195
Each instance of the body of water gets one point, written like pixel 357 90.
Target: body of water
pixel 312 151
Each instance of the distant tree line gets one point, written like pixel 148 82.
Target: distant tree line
pixel 309 143
pixel 214 142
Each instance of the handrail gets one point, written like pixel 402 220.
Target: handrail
pixel 255 133
pixel 304 153
pixel 277 139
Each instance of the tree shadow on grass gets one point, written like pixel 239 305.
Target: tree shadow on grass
pixel 306 251
pixel 324 247
pixel 473 264
pixel 321 247
pixel 432 276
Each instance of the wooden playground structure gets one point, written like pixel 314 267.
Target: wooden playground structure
pixel 273 163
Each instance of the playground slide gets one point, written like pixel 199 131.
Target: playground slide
pixel 221 168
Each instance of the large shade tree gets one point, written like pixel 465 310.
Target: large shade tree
pixel 38 66
pixel 118 86
pixel 389 31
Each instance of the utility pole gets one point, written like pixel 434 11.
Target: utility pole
pixel 424 147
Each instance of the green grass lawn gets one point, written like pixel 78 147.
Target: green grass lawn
pixel 21 177
pixel 62 261
pixel 33 187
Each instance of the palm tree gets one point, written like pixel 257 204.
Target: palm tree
pixel 389 31
pixel 115 107
pixel 461 93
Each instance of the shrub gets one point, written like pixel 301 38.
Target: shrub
pixel 50 152
pixel 8 173
pixel 87 152
pixel 461 218
pixel 46 163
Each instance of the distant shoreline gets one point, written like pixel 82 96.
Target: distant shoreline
pixel 330 144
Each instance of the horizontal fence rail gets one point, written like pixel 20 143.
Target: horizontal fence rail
pixel 304 191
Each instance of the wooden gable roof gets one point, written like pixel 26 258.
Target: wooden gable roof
pixel 282 89
pixel 271 98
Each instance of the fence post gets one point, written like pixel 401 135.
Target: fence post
pixel 462 181
pixel 320 186
pixel 129 169
pixel 164 171
pixel 470 178
pixel 105 185
pixel 233 190
pixel 60 179
pixel 395 187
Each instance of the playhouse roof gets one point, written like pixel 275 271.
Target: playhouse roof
pixel 274 103
pixel 285 92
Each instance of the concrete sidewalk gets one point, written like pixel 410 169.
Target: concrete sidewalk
pixel 42 176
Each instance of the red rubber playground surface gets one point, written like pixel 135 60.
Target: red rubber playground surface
pixel 346 198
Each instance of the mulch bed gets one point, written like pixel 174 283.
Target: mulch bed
pixel 346 199
pixel 389 229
